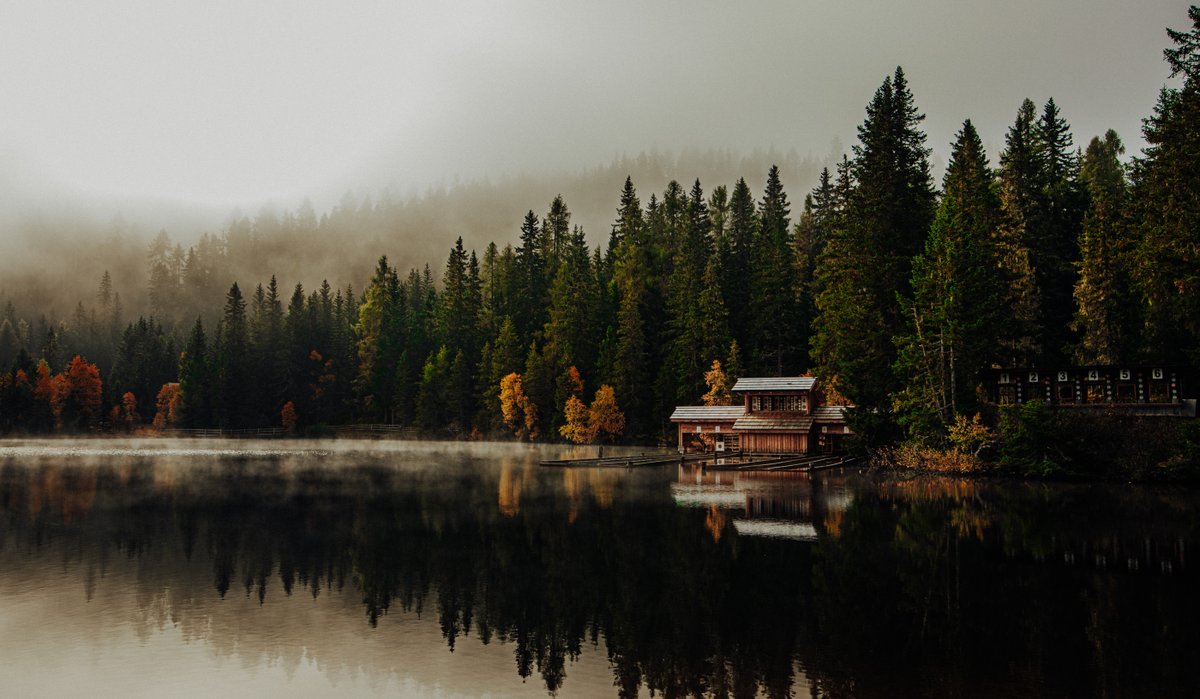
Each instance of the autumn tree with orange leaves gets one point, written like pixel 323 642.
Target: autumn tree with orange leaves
pixel 76 395
pixel 605 419
pixel 520 414
pixel 167 406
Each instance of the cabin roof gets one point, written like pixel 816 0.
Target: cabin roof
pixel 756 422
pixel 830 413
pixel 775 383
pixel 707 413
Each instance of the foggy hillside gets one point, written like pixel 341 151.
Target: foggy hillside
pixel 55 244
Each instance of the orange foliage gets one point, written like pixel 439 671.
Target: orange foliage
pixel 81 392
pixel 288 416
pixel 576 428
pixel 166 405
pixel 519 413
pixel 718 386
pixel 129 413
pixel 605 419
pixel 574 381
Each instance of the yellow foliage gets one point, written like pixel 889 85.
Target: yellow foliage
pixel 576 428
pixel 519 413
pixel 718 386
pixel 605 419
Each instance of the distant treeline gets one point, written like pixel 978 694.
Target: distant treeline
pixel 894 294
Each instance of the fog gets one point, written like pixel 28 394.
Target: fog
pixel 124 117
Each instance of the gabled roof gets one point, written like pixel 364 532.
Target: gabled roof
pixel 830 413
pixel 755 422
pixel 775 383
pixel 707 413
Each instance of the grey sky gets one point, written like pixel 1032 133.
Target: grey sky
pixel 224 102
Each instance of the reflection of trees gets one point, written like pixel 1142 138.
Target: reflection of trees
pixel 925 587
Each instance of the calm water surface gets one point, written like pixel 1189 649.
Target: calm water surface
pixel 224 568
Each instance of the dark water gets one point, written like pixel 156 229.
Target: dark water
pixel 372 568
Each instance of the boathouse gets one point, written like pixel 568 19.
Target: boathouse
pixel 770 415
pixel 1150 391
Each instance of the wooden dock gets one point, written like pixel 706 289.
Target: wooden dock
pixel 627 461
pixel 763 462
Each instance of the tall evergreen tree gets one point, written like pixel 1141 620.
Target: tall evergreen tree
pixel 233 368
pixel 1167 208
pixel 953 313
pixel 1107 311
pixel 775 332
pixel 867 260
pixel 1055 242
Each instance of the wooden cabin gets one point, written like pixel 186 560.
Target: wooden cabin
pixel 771 415
pixel 704 428
pixel 1167 391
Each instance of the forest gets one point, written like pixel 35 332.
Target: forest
pixel 892 290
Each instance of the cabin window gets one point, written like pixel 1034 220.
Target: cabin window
pixel 1126 392
pixel 1066 393
pixel 1160 391
pixel 756 403
pixel 1008 395
pixel 803 403
pixel 1095 393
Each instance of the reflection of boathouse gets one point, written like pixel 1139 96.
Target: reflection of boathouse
pixel 778 505
pixel 771 415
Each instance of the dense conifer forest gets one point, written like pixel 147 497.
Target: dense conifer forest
pixel 891 289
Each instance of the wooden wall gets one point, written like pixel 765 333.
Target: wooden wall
pixel 775 442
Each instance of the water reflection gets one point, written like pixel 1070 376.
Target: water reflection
pixel 387 563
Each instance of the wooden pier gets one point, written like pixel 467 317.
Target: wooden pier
pixel 772 462
pixel 628 461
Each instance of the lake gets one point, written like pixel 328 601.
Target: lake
pixel 388 568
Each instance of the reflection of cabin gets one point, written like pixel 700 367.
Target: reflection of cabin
pixel 1138 390
pixel 781 415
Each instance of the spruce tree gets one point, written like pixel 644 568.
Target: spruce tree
pixel 1021 204
pixel 775 332
pixel 1167 209
pixel 1107 312
pixel 953 313
pixel 867 259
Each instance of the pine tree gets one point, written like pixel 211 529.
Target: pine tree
pixel 1055 242
pixel 1021 203
pixel 1107 312
pixel 530 278
pixel 233 366
pixel 631 370
pixel 953 318
pixel 377 345
pixel 196 380
pixel 867 259
pixel 775 332
pixel 738 261
pixel 1167 210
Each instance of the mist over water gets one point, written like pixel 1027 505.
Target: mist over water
pixel 368 568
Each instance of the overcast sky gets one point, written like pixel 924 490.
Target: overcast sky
pixel 223 102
